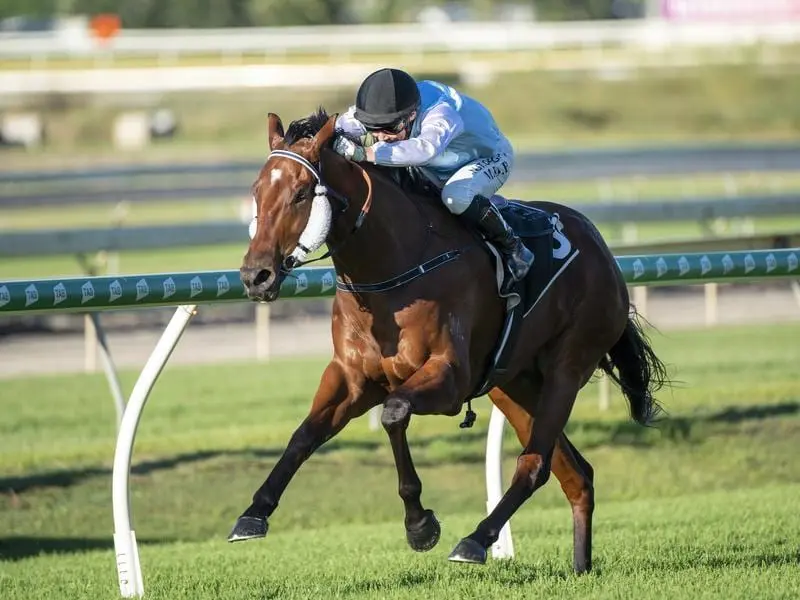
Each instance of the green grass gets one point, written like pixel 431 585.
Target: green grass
pixel 703 507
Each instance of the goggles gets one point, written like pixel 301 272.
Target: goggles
pixel 392 129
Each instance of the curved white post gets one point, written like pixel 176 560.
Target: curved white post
pixel 504 546
pixel 128 568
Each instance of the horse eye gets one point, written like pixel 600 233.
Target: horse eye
pixel 300 196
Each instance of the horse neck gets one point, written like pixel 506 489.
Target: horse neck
pixel 390 238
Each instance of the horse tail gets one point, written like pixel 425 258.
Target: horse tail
pixel 640 373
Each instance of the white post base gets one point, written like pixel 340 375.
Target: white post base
pixel 128 568
pixel 504 546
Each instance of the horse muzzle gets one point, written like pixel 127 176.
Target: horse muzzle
pixel 263 285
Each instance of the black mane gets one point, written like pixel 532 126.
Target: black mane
pixel 305 128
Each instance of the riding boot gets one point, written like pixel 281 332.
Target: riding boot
pixel 491 223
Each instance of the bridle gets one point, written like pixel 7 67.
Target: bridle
pixel 321 191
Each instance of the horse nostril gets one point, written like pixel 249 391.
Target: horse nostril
pixel 262 277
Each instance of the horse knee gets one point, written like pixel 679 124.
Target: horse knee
pixel 396 411
pixel 532 472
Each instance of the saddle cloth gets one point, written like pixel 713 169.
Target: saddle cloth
pixel 542 233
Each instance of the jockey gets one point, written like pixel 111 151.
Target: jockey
pixel 450 138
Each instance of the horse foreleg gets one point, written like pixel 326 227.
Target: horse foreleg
pixel 430 390
pixel 336 402
pixel 559 391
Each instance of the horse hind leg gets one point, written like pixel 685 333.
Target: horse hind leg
pixel 576 477
pixel 518 401
pixel 572 470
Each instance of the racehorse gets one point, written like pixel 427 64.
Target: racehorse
pixel 422 342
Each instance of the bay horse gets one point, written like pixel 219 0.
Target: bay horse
pixel 418 342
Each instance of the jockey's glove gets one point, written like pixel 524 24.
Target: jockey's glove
pixel 349 149
pixel 367 139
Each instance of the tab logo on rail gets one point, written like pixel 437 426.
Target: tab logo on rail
pixel 5 296
pixel 142 289
pixel 661 267
pixel 791 262
pixel 301 283
pixel 705 265
pixel 772 263
pixel 223 285
pixel 169 288
pixel 195 286
pixel 59 293
pixel 727 264
pixel 87 292
pixel 31 295
pixel 114 290
pixel 749 263
pixel 327 281
pixel 638 268
pixel 683 266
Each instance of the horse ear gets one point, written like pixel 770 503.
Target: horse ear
pixel 323 135
pixel 274 130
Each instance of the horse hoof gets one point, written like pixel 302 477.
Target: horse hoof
pixel 248 528
pixel 425 535
pixel 468 551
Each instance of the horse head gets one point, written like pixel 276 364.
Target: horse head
pixel 293 213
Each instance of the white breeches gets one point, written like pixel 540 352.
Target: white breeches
pixel 482 176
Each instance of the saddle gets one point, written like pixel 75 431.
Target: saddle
pixel 542 233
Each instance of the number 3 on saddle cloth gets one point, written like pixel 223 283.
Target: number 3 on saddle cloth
pixel 542 233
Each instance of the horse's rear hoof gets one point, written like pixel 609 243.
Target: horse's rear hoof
pixel 248 528
pixel 468 551
pixel 425 535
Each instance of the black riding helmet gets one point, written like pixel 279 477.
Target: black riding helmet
pixel 385 98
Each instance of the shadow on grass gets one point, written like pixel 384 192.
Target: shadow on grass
pixel 458 447
pixel 70 477
pixel 590 434
pixel 21 547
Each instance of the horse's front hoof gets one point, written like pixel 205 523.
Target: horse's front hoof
pixel 468 551
pixel 248 528
pixel 424 535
